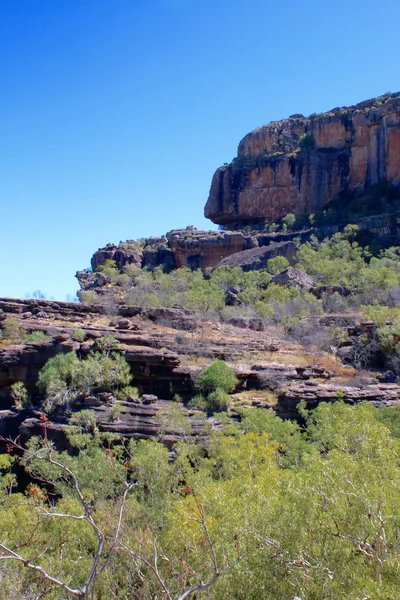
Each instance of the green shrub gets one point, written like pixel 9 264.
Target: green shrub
pixel 198 402
pixel 85 420
pixel 307 141
pixel 36 336
pixel 217 376
pixel 126 392
pixel 78 334
pixel 64 377
pixel 277 265
pixel 13 331
pixel 115 412
pixel 106 344
pixel 289 220
pixel 218 401
pixel 20 396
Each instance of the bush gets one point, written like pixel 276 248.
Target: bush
pixel 127 392
pixel 65 377
pixel 198 402
pixel 277 265
pixel 115 412
pixel 20 396
pixel 78 334
pixel 36 336
pixel 289 220
pixel 217 376
pixel 13 331
pixel 85 420
pixel 218 401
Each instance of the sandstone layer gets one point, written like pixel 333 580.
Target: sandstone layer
pixel 299 164
pixel 165 349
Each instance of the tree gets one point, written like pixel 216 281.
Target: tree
pixel 64 377
pixel 277 265
pixel 218 375
pixel 109 536
pixel 289 220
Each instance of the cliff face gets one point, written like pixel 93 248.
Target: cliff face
pixel 297 165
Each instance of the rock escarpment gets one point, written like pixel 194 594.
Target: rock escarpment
pixel 299 164
pixel 164 355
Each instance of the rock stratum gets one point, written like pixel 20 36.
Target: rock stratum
pixel 165 349
pixel 299 164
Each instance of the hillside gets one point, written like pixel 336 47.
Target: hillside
pixel 219 415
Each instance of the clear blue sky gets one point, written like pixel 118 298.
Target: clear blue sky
pixel 114 114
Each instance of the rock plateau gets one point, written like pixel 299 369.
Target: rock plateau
pixel 299 164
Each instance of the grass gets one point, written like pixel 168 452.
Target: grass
pixel 195 361
pixel 248 397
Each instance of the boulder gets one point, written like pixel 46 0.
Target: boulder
pixel 255 259
pixel 294 278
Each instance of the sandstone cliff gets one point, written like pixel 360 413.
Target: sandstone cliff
pixel 299 164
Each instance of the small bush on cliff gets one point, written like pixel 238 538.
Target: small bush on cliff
pixel 128 392
pixel 218 401
pixel 36 336
pixel 307 141
pixel 20 395
pixel 13 331
pixel 64 377
pixel 289 220
pixel 84 421
pixel 218 375
pixel 277 265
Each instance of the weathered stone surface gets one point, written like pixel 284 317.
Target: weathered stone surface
pixel 314 393
pixel 257 258
pixel 161 255
pixel 297 165
pixel 254 323
pixel 202 249
pixel 124 254
pixel 294 278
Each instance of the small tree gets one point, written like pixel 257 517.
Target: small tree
pixel 289 220
pixel 218 375
pixel 13 331
pixel 277 265
pixel 20 396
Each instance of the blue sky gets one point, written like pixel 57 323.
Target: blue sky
pixel 114 114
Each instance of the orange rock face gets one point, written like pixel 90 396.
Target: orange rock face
pixel 299 164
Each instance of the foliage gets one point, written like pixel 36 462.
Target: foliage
pixel 85 421
pixel 13 331
pixel 318 505
pixel 20 395
pixel 36 336
pixel 277 265
pixel 289 220
pixel 307 141
pixel 218 375
pixel 115 412
pixel 218 401
pixel 127 392
pixel 78 334
pixel 64 377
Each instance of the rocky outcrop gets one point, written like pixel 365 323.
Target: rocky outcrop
pixel 313 393
pixel 294 278
pixel 189 247
pixel 201 249
pixel 126 253
pixel 257 258
pixel 299 164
